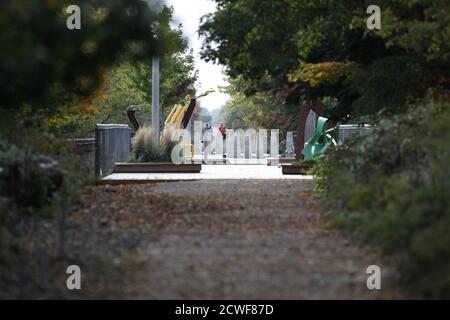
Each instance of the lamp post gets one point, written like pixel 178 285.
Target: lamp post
pixel 155 99
pixel 157 7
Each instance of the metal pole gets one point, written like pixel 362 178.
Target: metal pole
pixel 155 98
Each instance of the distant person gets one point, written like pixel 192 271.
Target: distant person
pixel 208 135
pixel 223 131
pixel 208 129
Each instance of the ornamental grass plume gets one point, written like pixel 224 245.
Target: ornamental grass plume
pixel 144 147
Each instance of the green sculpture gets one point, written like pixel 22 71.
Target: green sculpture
pixel 319 142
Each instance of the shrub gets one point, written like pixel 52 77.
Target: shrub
pixel 396 193
pixel 27 180
pixel 28 184
pixel 306 163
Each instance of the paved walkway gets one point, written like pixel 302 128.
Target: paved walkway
pixel 211 172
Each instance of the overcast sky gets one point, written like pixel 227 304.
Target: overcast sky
pixel 189 12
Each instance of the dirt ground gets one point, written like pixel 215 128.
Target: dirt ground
pixel 232 239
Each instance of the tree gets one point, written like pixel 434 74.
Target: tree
pixel 129 83
pixel 126 82
pixel 367 72
pixel 43 64
pixel 261 110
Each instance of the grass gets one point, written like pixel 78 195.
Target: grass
pixel 145 150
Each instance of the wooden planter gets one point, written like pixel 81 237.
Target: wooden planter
pixel 272 161
pixel 296 169
pixel 156 168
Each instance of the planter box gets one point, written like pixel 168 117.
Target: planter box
pixel 287 160
pixel 296 169
pixel 156 168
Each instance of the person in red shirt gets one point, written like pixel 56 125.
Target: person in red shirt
pixel 223 131
pixel 224 136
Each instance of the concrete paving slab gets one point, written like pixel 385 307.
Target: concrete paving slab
pixel 211 172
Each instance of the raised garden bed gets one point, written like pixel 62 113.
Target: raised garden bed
pixel 272 161
pixel 156 168
pixel 302 169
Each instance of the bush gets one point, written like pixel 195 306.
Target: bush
pixel 306 163
pixel 28 185
pixel 27 181
pixel 396 193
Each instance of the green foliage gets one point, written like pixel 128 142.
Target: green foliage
pixel 321 73
pixel 149 154
pixel 261 110
pixel 421 26
pixel 269 43
pixel 28 186
pixel 145 150
pixel 389 85
pixel 24 180
pixel 42 63
pixel 306 163
pixel 57 83
pixel 396 182
pixel 129 82
pixel 40 178
pixel 263 41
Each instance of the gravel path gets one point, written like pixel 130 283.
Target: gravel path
pixel 233 239
pixel 245 240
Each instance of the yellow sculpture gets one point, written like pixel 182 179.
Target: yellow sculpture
pixel 175 119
